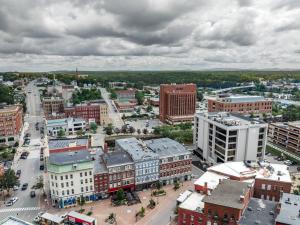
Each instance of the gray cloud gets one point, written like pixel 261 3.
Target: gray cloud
pixel 148 34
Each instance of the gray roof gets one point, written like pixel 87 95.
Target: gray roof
pixel 259 211
pixel 65 158
pixel 227 194
pixel 137 149
pixel 243 98
pixel 290 208
pixel 64 143
pixel 99 166
pixel 166 147
pixel 116 158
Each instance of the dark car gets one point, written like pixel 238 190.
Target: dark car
pixel 42 167
pixel 32 194
pixel 18 173
pixel 24 186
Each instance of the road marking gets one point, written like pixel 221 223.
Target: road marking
pixel 19 209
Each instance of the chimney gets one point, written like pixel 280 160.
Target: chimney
pixel 242 198
pixel 105 150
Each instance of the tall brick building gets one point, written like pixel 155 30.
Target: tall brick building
pixel 241 104
pixel 11 122
pixel 53 106
pixel 177 102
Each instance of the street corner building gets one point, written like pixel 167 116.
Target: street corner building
pixel 177 102
pixel 71 178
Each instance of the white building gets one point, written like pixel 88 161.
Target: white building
pixel 69 126
pixel 223 137
pixel 71 177
pixel 145 160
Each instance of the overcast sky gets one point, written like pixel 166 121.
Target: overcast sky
pixel 44 35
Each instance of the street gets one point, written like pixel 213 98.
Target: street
pixel 115 116
pixel 26 207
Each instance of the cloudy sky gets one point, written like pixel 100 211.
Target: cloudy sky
pixel 43 35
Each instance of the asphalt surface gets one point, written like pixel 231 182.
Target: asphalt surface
pixel 26 207
pixel 115 116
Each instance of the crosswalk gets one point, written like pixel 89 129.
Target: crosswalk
pixel 19 209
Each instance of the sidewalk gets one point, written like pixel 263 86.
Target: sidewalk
pixel 160 215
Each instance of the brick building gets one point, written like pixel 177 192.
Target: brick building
pixel 286 135
pixel 121 172
pixel 126 100
pixel 11 123
pixel 175 161
pixel 177 102
pixel 92 111
pixel 66 145
pixel 224 205
pixel 100 175
pixel 53 106
pixel 241 104
pixel 268 180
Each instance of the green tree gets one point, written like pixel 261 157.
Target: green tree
pixel 199 96
pixel 120 195
pixel 86 95
pixel 61 133
pixel 149 108
pixel 109 129
pixel 93 127
pixel 81 201
pixel 8 180
pixel 139 95
pixel 113 94
pixel 79 133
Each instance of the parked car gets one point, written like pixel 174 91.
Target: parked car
pixel 288 162
pixel 42 167
pixel 24 186
pixel 16 188
pixel 32 194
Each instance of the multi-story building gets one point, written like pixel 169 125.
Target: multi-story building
pixel 53 106
pixel 66 145
pixel 224 205
pixel 121 171
pixel 71 177
pixel 268 180
pixel 175 162
pixel 242 104
pixel 11 123
pixel 146 162
pixel 126 100
pixel 69 126
pixel 288 210
pixel 92 111
pixel 100 175
pixel 67 92
pixel 177 102
pixel 223 137
pixel 286 135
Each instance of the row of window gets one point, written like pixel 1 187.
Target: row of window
pixel 66 177
pixel 146 164
pixel 174 165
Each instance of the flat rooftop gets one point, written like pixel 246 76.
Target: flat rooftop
pixel 116 158
pixel 64 121
pixel 99 166
pixel 14 221
pixel 243 171
pixel 9 108
pixel 230 119
pixel 288 124
pixel 289 212
pixel 166 147
pixel 193 202
pixel 259 212
pixel 242 98
pixel 67 142
pixel 66 158
pixel 136 148
pixel 212 180
pixel 227 194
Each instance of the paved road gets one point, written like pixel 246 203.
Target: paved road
pixel 115 116
pixel 26 207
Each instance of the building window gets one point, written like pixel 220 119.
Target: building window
pixel 80 174
pixel 62 185
pixel 81 181
pixel 61 177
pixel 71 176
pixel 91 180
pixel 263 186
pixel 72 191
pixel 81 189
pixel 66 177
pixel 63 193
pixel 72 183
pixel 85 174
pixel 90 172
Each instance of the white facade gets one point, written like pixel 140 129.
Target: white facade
pixel 69 126
pixel 223 137
pixel 71 180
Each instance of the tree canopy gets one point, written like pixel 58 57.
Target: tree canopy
pixel 85 95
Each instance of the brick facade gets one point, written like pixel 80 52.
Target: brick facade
pixel 240 107
pixel 177 102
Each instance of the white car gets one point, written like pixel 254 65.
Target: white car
pixel 14 199
pixel 16 188
pixel 288 162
